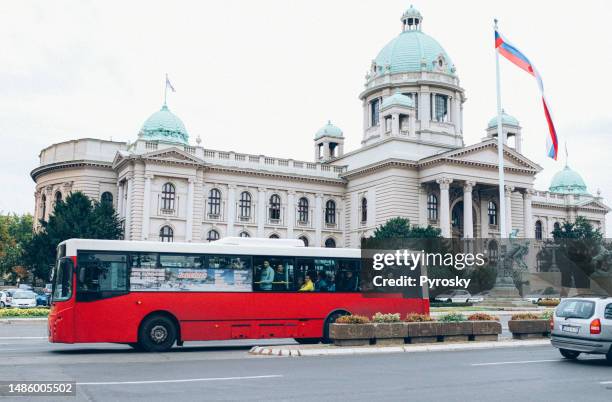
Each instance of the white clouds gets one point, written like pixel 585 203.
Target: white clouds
pixel 255 76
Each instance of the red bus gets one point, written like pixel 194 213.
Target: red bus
pixel 152 295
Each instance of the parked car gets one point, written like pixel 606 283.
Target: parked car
pixel 23 299
pixel 543 294
pixel 454 296
pixel 479 297
pixel 42 298
pixel 583 325
pixel 9 296
pixel 3 301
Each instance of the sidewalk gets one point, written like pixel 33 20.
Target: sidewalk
pixel 331 350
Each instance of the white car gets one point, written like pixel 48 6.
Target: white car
pixel 3 300
pixel 23 299
pixel 454 296
pixel 479 297
pixel 542 294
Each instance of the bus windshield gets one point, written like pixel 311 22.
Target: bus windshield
pixel 62 280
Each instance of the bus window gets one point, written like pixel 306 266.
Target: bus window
pixel 101 275
pixel 62 280
pixel 347 278
pixel 273 274
pixel 145 273
pixel 228 273
pixel 316 274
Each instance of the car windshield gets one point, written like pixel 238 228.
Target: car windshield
pixel 575 308
pixel 24 295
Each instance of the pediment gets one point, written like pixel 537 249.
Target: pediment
pixel 172 155
pixel 594 204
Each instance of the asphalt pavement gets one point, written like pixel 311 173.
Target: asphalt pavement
pixel 225 371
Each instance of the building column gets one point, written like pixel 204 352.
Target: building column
pixel 290 213
pixel 484 218
pixel 457 112
pixel 468 221
pixel 509 190
pixel 50 203
pixel 395 125
pixel 318 217
pixel 261 211
pixel 189 222
pixel 120 195
pixel 231 209
pixel 146 210
pixel 423 222
pixel 445 206
pixel 128 208
pixel 527 214
pixel 424 107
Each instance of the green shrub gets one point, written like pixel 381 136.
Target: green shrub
pixel 417 317
pixel 482 317
pixel 352 319
pixel 549 302
pixel 526 316
pixel 547 315
pixel 452 317
pixel 391 317
pixel 23 312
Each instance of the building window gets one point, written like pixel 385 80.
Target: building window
pixel 441 108
pixel 166 234
pixel 557 226
pixel 214 202
pixel 415 97
pixel 168 196
pixel 245 205
pixel 493 252
pixel 374 112
pixel 274 236
pixel 330 212
pixel 432 207
pixel 106 198
pixel 244 234
pixel 43 206
pixel 364 210
pixel 275 207
pixel 330 243
pixel 58 197
pixel 492 213
pixel 538 230
pixel 212 235
pixel 304 239
pixel 303 210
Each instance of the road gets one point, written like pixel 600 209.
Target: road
pixel 224 371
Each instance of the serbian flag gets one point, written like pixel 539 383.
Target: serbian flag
pixel 511 53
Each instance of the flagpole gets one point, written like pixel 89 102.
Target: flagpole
pixel 500 151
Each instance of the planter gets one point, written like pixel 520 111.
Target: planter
pixel 528 329
pixel 421 332
pixel 485 330
pixel 351 334
pixel 454 331
pixel 392 333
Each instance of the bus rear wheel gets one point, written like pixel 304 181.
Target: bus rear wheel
pixel 329 321
pixel 157 334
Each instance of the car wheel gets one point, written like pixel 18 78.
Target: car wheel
pixel 569 354
pixel 609 356
pixel 2 305
pixel 157 334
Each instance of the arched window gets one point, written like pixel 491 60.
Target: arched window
pixel 303 210
pixel 43 206
pixel 330 243
pixel 214 203
pixel 168 196
pixel 493 252
pixel 557 226
pixel 58 196
pixel 212 235
pixel 432 207
pixel 364 210
pixel 304 239
pixel 244 234
pixel 330 212
pixel 274 236
pixel 245 205
pixel 538 230
pixel 275 207
pixel 106 198
pixel 166 234
pixel 492 213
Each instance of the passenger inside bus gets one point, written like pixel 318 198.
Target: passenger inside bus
pixel 267 277
pixel 322 284
pixel 280 278
pixel 307 286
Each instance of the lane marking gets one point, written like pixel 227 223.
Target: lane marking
pixel 22 337
pixel 605 382
pixel 253 377
pixel 515 362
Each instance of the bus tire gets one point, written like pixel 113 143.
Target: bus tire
pixel 157 334
pixel 329 321
pixel 307 341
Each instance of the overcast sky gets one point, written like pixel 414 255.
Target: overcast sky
pixel 263 76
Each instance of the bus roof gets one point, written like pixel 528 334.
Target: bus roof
pixel 239 246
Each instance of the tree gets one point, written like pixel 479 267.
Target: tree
pixel 75 217
pixel 15 233
pixel 400 228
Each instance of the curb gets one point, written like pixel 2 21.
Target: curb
pixel 15 320
pixel 366 350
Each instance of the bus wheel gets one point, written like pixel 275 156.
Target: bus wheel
pixel 157 334
pixel 330 320
pixel 307 341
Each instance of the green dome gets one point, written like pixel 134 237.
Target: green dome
pixel 328 130
pixel 397 99
pixel 412 51
pixel 506 119
pixel 164 126
pixel 568 182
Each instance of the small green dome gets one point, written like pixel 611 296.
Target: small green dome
pixel 328 130
pixel 506 119
pixel 164 126
pixel 397 99
pixel 412 13
pixel 568 182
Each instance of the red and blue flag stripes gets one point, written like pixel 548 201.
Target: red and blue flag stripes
pixel 510 52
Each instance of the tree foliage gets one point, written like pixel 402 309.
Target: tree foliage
pixel 401 228
pixel 15 234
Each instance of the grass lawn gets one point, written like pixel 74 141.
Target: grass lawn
pixel 23 312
